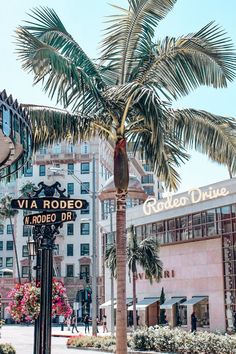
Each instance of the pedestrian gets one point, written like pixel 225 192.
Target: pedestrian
pixel 86 323
pixel 193 322
pixel 68 322
pixel 104 323
pixel 73 324
pixel 62 322
pixel 234 319
pixel 98 322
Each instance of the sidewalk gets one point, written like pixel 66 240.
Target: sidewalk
pixel 57 332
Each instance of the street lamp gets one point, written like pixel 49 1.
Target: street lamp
pixel 31 246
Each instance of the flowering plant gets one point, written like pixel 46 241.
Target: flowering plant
pixel 25 301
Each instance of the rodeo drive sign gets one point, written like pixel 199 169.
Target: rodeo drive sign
pixel 195 195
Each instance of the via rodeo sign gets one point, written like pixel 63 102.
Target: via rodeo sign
pixel 55 210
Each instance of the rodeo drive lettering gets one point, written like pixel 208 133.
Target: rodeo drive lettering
pixel 195 195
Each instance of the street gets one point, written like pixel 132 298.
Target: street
pixel 21 337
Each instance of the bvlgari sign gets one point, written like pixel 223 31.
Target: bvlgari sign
pixel 195 195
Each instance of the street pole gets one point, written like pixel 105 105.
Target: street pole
pixel 36 323
pixel 94 258
pixel 112 279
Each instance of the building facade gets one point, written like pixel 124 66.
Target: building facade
pixel 197 235
pixel 72 166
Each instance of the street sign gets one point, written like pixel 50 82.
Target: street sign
pixel 49 218
pixel 49 204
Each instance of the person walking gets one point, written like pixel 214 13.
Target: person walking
pixel 86 323
pixel 193 322
pixel 73 324
pixel 62 322
pixel 68 322
pixel 104 323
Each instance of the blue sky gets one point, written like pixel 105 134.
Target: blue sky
pixel 85 21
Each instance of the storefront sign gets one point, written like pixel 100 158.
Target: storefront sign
pixel 49 218
pixel 165 274
pixel 195 195
pixel 49 204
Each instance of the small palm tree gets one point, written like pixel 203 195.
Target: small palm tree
pixel 126 95
pixel 6 212
pixel 144 254
pixel 27 189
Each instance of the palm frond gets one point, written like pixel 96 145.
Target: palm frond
pixel 110 259
pixel 180 65
pixel 48 28
pixel 212 135
pixel 131 32
pixel 58 74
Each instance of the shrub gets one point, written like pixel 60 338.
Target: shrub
pixel 105 343
pixel 164 339
pixel 7 349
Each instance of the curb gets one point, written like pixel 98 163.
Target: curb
pixel 108 351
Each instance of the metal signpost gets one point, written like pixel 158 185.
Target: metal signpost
pixel 56 211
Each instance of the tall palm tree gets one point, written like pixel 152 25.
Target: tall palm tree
pixel 6 212
pixel 126 96
pixel 144 254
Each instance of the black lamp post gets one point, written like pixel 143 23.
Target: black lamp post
pixel 31 245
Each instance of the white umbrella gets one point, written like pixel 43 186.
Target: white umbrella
pixel 6 270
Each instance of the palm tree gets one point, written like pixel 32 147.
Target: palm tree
pixel 6 212
pixel 126 96
pixel 144 254
pixel 27 189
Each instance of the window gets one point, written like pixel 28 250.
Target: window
pixel 1 245
pixel 1 262
pixel 70 229
pixel 70 169
pixel 9 229
pixel 70 188
pixel 84 249
pixel 42 151
pixel 25 271
pixel 84 228
pixel 56 149
pixel 1 229
pixel 84 148
pixel 56 250
pixel 70 149
pixel 29 172
pixel 149 190
pixel 85 272
pixel 42 170
pixel 147 179
pixel 9 262
pixel 70 270
pixel 84 188
pixel 70 250
pixel 9 245
pixel 85 211
pixel 25 252
pixel 26 231
pixel 147 167
pixel 84 168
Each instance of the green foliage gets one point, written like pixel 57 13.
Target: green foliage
pixel 128 93
pixel 104 343
pixel 162 311
pixel 6 348
pixel 166 340
pixel 144 253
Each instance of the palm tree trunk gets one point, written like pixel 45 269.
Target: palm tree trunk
pixel 15 250
pixel 121 313
pixel 121 179
pixel 134 300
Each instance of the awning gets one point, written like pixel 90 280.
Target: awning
pixel 6 270
pixel 194 300
pixel 143 304
pixel 106 304
pixel 128 302
pixel 171 302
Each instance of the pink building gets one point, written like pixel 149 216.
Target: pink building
pixel 197 233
